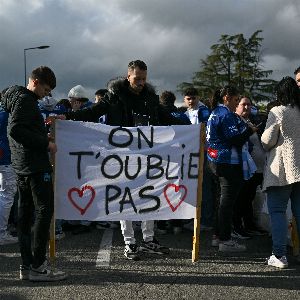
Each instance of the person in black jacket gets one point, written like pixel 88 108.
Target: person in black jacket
pixel 131 102
pixel 29 146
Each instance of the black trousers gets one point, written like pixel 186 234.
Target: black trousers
pixel 231 181
pixel 243 210
pixel 36 200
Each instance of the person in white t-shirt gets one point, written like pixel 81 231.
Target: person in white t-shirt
pixel 198 113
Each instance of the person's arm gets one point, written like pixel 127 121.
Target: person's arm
pixel 240 139
pixel 270 136
pixel 203 114
pixel 165 118
pixel 91 113
pixel 232 132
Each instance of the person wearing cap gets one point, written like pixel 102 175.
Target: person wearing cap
pixel 78 98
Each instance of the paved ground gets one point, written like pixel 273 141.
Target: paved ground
pixel 98 271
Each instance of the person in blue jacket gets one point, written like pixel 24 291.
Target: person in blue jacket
pixel 226 135
pixel 8 183
pixel 49 107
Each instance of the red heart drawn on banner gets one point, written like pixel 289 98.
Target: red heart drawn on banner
pixel 177 188
pixel 80 193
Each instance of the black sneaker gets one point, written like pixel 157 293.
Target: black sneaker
pixel 240 234
pixel 131 251
pixel 154 247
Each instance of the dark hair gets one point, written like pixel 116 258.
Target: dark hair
pixel 207 102
pixel 65 103
pixel 137 64
pixel 220 93
pixel 101 92
pixel 191 91
pixel 167 98
pixel 247 97
pixel 45 75
pixel 297 71
pixel 272 104
pixel 4 91
pixel 287 92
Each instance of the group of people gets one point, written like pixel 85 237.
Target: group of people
pixel 236 150
pixel 273 162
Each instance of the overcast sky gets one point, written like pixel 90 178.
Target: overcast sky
pixel 92 41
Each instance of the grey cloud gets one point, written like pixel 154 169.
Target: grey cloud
pixel 92 41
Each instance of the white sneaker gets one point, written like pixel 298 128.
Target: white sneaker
pixel 231 246
pixel 45 273
pixel 7 239
pixel 131 251
pixel 280 263
pixel 24 272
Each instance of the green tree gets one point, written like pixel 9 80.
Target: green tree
pixel 234 60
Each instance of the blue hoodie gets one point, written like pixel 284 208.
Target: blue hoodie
pixel 226 133
pixel 4 145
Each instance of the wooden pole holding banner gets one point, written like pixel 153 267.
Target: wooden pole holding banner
pixel 52 225
pixel 196 237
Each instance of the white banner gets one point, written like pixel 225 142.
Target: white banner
pixel 116 173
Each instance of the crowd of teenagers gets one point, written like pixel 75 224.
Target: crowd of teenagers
pixel 246 151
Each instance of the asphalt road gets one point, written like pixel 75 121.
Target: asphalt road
pixel 98 270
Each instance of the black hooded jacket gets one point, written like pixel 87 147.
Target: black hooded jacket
pixel 120 104
pixel 26 131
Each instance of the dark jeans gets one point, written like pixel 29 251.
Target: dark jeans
pixel 208 199
pixel 13 216
pixel 243 210
pixel 231 181
pixel 35 196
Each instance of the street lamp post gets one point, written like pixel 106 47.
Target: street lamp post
pixel 39 47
